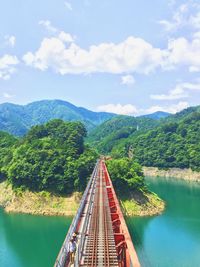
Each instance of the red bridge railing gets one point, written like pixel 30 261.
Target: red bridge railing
pixel 127 255
pixel 99 206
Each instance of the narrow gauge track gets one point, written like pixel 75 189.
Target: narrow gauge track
pixel 100 246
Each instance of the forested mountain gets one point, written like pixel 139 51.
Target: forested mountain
pixel 182 114
pixel 157 115
pixel 173 141
pixel 118 129
pixel 174 144
pixel 17 119
pixel 7 143
pixel 49 157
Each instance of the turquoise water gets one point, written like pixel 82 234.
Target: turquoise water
pixel 173 238
pixel 30 241
pixel 169 240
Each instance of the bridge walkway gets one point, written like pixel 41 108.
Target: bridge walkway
pixel 100 244
pixel 103 237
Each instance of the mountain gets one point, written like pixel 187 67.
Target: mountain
pixel 173 144
pixel 118 129
pixel 18 119
pixel 173 141
pixel 182 114
pixel 157 115
pixel 122 127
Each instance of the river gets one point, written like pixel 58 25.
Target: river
pixel 30 241
pixel 173 238
pixel 168 240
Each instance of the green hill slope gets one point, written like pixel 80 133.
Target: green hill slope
pixel 17 119
pixel 174 144
pixel 172 141
pixel 117 130
pixel 50 157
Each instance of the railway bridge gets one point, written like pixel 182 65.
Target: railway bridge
pixel 103 237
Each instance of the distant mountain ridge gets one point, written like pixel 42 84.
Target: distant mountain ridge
pixel 18 119
pixel 157 115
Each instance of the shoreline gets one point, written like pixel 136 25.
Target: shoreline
pixel 45 203
pixel 182 174
pixel 37 203
pixel 142 205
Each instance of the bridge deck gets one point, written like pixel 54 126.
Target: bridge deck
pixel 100 244
pixel 103 237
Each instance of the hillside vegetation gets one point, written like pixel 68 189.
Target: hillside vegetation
pixel 129 183
pixel 17 119
pixel 50 157
pixel 43 172
pixel 175 144
pixel 117 130
pixel 166 143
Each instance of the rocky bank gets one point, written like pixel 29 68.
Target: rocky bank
pixel 184 174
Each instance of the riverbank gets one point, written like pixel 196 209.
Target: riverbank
pixel 38 203
pixel 44 203
pixel 184 174
pixel 142 204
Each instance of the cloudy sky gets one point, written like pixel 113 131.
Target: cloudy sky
pixel 122 56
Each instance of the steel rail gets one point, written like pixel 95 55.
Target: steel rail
pixel 64 253
pixel 86 222
pixel 92 224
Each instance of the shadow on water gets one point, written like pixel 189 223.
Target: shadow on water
pixel 31 241
pixel 137 231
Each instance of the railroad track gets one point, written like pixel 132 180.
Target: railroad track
pixel 100 247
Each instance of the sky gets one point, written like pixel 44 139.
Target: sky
pixel 123 56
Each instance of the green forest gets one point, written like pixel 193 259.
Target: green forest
pixel 54 157
pixel 49 157
pixel 126 175
pixel 169 142
pixel 59 157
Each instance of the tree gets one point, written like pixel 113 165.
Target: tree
pixel 52 157
pixel 126 174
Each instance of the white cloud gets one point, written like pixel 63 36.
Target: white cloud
pixel 195 21
pixel 61 35
pixel 68 5
pixel 127 109
pixel 127 79
pixel 180 91
pixel 10 40
pixel 7 66
pixel 184 53
pixel 185 15
pixel 179 19
pixel 7 95
pixel 170 108
pixel 48 26
pixel 131 55
pixel 65 37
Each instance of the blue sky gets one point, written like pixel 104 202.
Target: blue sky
pixel 123 56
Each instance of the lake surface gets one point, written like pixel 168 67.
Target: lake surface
pixel 169 240
pixel 30 241
pixel 173 238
